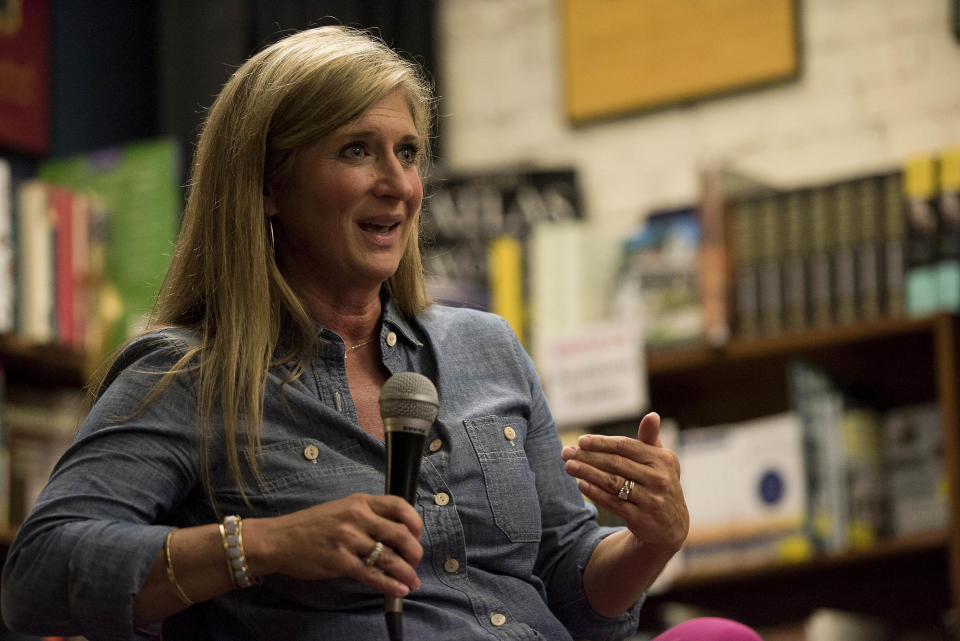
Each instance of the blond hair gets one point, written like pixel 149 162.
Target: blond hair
pixel 223 281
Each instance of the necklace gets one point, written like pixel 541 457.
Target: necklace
pixel 357 346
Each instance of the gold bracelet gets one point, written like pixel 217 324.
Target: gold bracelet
pixel 170 575
pixel 231 533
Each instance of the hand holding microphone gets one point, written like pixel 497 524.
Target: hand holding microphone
pixel 408 408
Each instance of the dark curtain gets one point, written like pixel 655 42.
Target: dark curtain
pixel 201 43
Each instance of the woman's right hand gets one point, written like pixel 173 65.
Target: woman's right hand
pixel 331 540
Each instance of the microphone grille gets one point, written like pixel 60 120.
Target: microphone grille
pixel 409 395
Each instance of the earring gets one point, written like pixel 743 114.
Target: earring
pixel 273 245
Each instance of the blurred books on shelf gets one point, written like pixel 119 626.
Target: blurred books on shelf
pixel 83 248
pixel 38 425
pixel 138 185
pixel 746 491
pixel 465 213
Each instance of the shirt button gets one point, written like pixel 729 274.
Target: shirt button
pixel 311 452
pixel 391 339
pixel 510 433
pixel 497 619
pixel 435 444
pixel 451 565
pixel 441 499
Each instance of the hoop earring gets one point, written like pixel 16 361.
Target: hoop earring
pixel 273 245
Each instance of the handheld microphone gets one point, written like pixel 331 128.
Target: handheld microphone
pixel 408 407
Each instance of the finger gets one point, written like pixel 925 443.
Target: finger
pixel 608 481
pixel 395 565
pixel 649 430
pixel 375 578
pixel 396 509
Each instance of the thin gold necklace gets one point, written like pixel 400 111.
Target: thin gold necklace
pixel 358 346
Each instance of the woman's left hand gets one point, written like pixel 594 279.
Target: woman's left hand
pixel 652 505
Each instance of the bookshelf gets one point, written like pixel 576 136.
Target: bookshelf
pixel 910 581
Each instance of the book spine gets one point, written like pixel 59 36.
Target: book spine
pixel 7 273
pixel 505 271
pixel 894 288
pixel 919 188
pixel 821 269
pixel 771 267
pixel 61 204
pixel 746 269
pixel 948 272
pixel 868 248
pixel 843 255
pixel 34 264
pixel 796 278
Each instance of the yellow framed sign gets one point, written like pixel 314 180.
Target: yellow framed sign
pixel 622 56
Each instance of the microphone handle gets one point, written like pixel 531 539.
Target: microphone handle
pixel 404 451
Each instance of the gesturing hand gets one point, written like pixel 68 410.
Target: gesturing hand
pixel 636 479
pixel 332 540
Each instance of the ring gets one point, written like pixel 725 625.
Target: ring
pixel 625 490
pixel 371 559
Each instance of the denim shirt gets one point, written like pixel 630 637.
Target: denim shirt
pixel 505 530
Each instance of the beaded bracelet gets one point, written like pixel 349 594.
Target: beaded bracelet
pixel 231 532
pixel 170 575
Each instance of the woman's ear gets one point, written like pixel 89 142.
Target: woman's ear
pixel 269 202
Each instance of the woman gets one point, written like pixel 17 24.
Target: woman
pixel 229 476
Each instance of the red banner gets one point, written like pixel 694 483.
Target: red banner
pixel 25 75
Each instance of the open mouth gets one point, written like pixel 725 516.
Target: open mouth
pixel 378 229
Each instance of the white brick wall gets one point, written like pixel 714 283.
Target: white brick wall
pixel 880 80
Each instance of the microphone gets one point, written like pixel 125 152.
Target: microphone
pixel 408 407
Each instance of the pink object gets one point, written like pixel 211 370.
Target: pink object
pixel 709 629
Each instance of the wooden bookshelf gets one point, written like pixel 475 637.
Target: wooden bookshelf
pixel 910 581
pixel 27 363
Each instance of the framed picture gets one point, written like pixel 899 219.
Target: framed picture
pixel 623 56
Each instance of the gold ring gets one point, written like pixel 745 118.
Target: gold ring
pixel 625 490
pixel 371 559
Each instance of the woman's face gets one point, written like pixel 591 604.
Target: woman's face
pixel 343 219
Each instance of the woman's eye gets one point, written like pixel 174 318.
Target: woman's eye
pixel 408 154
pixel 354 151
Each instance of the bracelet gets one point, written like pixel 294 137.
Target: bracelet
pixel 170 575
pixel 231 532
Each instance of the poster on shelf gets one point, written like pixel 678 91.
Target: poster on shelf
pixel 594 374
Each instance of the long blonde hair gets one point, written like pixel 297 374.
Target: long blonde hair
pixel 223 281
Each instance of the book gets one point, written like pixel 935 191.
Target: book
pixel 948 263
pixel 796 259
pixel 771 266
pixel 35 263
pixel 506 278
pixel 754 510
pixel 893 288
pixel 746 242
pixel 843 253
pixel 822 296
pixel 915 469
pixel 7 260
pixel 922 232
pixel 819 404
pixel 868 248
pixel 661 266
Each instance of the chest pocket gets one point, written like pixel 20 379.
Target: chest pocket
pixel 299 473
pixel 507 476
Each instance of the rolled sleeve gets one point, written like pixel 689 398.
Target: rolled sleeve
pixel 570 531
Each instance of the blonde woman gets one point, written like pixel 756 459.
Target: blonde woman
pixel 228 480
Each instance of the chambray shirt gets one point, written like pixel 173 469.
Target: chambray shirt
pixel 506 534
